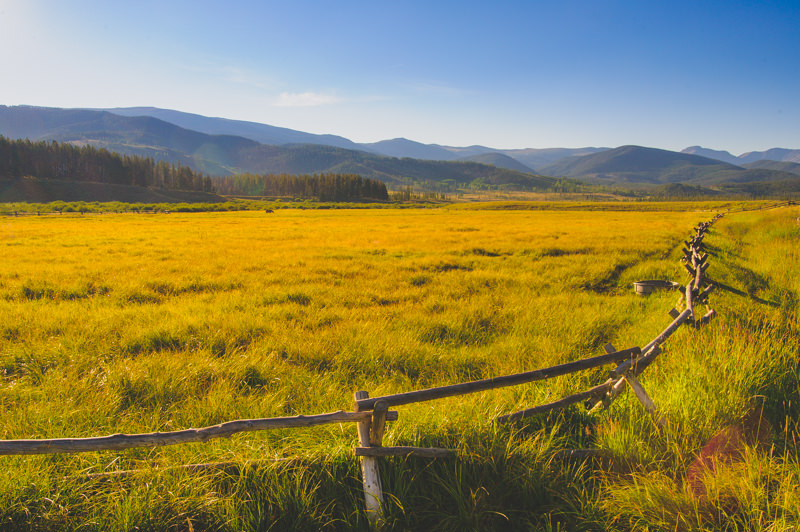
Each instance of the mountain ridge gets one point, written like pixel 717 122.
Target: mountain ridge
pixel 532 158
pixel 636 164
pixel 773 154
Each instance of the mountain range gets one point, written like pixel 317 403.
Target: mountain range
pixel 224 154
pixel 219 146
pixel 774 154
pixel 525 160
pixel 639 165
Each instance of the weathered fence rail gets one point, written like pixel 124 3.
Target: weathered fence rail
pixel 117 442
pixel 371 414
pixel 465 388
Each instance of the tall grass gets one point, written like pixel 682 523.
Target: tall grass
pixel 137 323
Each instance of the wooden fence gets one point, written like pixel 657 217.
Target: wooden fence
pixel 371 413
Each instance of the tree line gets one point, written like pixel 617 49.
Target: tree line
pixel 53 160
pixel 324 187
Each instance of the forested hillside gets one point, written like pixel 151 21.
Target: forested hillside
pixel 52 160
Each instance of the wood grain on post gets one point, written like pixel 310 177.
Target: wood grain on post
pixel 618 383
pixel 117 442
pixel 689 304
pixel 698 273
pixel 370 475
pixel 498 382
pixel 648 403
pixel 378 423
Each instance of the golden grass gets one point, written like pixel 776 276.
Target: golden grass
pixel 134 323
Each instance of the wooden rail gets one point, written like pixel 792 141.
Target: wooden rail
pixel 117 442
pixel 498 382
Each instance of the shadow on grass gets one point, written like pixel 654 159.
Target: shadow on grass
pixel 742 293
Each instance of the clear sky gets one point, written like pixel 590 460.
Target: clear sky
pixel 505 74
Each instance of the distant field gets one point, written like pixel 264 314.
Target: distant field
pixel 126 323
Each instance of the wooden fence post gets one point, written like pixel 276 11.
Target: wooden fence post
pixel 648 403
pixel 370 475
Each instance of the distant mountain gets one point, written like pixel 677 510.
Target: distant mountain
pixel 774 154
pixel 792 168
pixel 636 164
pixel 409 148
pixel 540 158
pixel 261 133
pixel 228 154
pixel 719 155
pixel 499 160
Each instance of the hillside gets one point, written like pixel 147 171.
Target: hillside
pixel 792 168
pixel 408 148
pixel 499 160
pixel 540 158
pixel 636 164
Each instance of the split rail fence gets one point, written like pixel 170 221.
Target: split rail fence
pixel 371 413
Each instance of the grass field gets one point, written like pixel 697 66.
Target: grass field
pixel 126 323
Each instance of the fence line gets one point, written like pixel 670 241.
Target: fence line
pixel 371 414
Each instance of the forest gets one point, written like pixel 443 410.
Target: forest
pixel 325 187
pixel 66 162
pixel 53 160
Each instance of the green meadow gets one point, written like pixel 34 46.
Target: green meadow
pixel 133 323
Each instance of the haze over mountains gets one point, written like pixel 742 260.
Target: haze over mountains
pixel 219 146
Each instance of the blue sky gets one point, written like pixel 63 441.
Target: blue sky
pixel 505 74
